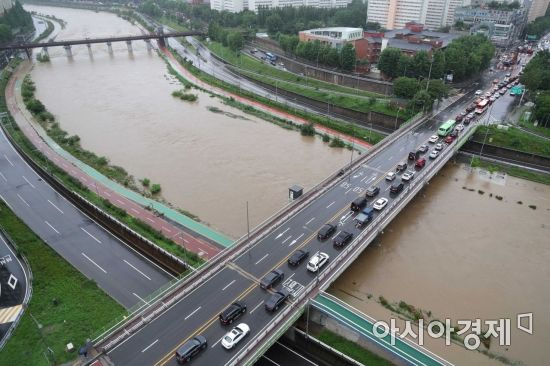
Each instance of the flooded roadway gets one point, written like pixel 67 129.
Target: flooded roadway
pixel 464 255
pixel 207 163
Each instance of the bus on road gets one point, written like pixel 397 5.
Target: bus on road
pixel 446 128
pixel 270 56
pixel 482 106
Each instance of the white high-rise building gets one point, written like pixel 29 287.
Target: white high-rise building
pixel 236 6
pixel 537 9
pixel 5 5
pixel 394 14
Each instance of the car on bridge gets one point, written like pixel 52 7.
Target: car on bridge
pixel 401 166
pixel 298 257
pixel 342 239
pixel 433 139
pixel 372 191
pixel 459 127
pixel 326 231
pixel 358 204
pixel 414 155
pixel 277 299
pixel 449 139
pixel 190 349
pixel 408 175
pixel 236 335
pixel 318 260
pixel 421 162
pixel 439 147
pixel 232 312
pixel 380 203
pixel 390 176
pixel 434 154
pixel 396 188
pixel 423 148
pixel 271 279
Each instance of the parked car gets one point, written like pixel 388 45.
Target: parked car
pixel 459 127
pixel 496 95
pixel 396 188
pixel 408 175
pixel 358 204
pixel 390 176
pixel 433 139
pixel 478 92
pixel 236 335
pixel 420 163
pixel 434 154
pixel 492 99
pixel 401 166
pixel 380 203
pixel 342 239
pixel 449 139
pixel 326 231
pixel 372 191
pixel 232 312
pixel 190 349
pixel 271 279
pixel 298 257
pixel 277 300
pixel 318 260
pixel 503 91
pixel 423 148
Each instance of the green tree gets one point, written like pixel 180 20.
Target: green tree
pixel 235 41
pixel 421 64
pixel 405 87
pixel 422 100
pixel 348 57
pixel 542 108
pixel 438 66
pixel 404 67
pixel 388 61
pixel 274 23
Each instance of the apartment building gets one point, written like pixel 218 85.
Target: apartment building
pixel 537 9
pixel 235 6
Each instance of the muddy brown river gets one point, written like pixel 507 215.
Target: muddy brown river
pixel 207 163
pixel 465 255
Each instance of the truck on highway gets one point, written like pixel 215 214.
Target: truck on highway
pixel 364 217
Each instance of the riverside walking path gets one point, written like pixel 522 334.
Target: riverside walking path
pixel 191 235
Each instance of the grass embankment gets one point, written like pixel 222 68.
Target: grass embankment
pixel 71 183
pixel 338 126
pixel 544 131
pixel 514 139
pixel 351 349
pixel 511 170
pixel 46 32
pixel 249 63
pixel 68 306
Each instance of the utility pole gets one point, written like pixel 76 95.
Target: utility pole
pixel 247 223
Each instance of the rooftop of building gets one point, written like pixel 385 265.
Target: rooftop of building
pixel 445 38
pixel 336 32
pixel 403 44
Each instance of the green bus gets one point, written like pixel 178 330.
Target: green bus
pixel 446 128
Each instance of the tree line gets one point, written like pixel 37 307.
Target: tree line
pixel 14 18
pixel 464 56
pixel 536 78
pixel 320 53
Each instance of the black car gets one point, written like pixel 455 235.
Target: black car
pixel 233 312
pixel 466 121
pixel 372 191
pixel 271 279
pixel 298 257
pixel 454 134
pixel 326 231
pixel 396 188
pixel 190 349
pixel 358 204
pixel 342 239
pixel 276 300
pixel 414 155
pixel 471 107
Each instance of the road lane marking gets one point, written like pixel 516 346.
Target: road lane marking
pixel 310 220
pixel 284 241
pixel 256 307
pixel 107 193
pixel 120 201
pixel 167 229
pixel 344 193
pixel 336 235
pixel 379 166
pixel 26 180
pixel 6 202
pixel 143 274
pixel 136 295
pixel 133 209
pixel 149 346
pixel 385 190
pixel 391 158
pixel 295 240
pixel 270 360
pixel 93 237
pixel 58 209
pixel 50 225
pixel 150 219
pixel 281 234
pixel 3 177
pixel 9 161
pixel 261 259
pixel 333 202
pixel 97 265
pixel 218 341
pixel 194 311
pixel 229 284
pixel 21 198
pixel 296 353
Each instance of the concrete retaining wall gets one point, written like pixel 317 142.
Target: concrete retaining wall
pixel 509 154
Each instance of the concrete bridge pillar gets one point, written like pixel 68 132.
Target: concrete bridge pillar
pixel 110 47
pixel 162 42
pixel 129 45
pixel 68 50
pixel 89 45
pixel 148 43
pixel 28 52
pixel 45 50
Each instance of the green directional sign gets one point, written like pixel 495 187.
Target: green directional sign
pixel 516 90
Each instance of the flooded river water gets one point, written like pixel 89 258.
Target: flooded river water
pixel 464 254
pixel 207 163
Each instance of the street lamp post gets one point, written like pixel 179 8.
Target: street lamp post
pixel 396 117
pixel 430 73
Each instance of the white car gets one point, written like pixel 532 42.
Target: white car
pixel 434 154
pixel 478 92
pixel 390 176
pixel 236 334
pixel 318 260
pixel 380 203
pixel 496 95
pixel 439 147
pixel 487 95
pixel 433 139
pixel 459 127
pixel 408 175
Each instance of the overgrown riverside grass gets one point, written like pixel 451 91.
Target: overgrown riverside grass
pixel 247 62
pixel 46 32
pixel 345 128
pixel 181 94
pixel 67 305
pixel 512 170
pixel 351 349
pixel 73 184
pixel 514 139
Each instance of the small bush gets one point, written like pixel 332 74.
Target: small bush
pixel 155 188
pixel 533 207
pixel 520 203
pixel 480 191
pixel 307 129
pixel 337 142
pixel 145 182
pixel 326 137
pixel 498 197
